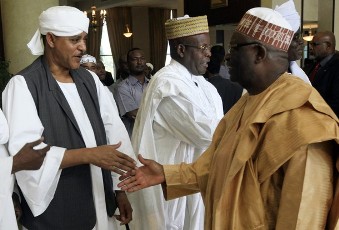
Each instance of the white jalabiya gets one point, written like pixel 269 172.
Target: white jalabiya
pixel 7 214
pixel 39 186
pixel 297 71
pixel 175 123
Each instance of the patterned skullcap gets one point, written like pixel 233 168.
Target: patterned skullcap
pixel 61 21
pixel 267 26
pixel 288 11
pixel 186 26
pixel 88 58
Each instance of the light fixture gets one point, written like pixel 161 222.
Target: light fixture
pixel 93 23
pixel 309 37
pixel 310 29
pixel 128 33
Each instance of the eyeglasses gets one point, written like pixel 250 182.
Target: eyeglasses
pixel 317 43
pixel 203 48
pixel 237 46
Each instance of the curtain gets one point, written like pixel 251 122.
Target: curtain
pixel 117 18
pixel 94 35
pixel 158 40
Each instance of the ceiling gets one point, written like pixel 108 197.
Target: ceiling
pixel 101 4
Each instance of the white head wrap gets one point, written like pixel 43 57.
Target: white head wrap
pixel 61 21
pixel 288 11
pixel 88 58
pixel 149 65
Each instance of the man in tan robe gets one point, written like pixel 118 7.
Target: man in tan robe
pixel 271 161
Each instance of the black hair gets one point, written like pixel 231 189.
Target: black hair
pixel 131 50
pixel 214 65
pixel 218 52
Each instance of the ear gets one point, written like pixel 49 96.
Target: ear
pixel 50 39
pixel 261 53
pixel 181 50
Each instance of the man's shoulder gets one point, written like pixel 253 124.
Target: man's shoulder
pixel 32 69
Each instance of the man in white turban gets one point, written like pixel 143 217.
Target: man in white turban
pixel 296 49
pixel 271 161
pixel 89 62
pixel 78 118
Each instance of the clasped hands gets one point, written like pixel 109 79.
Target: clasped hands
pixel 149 174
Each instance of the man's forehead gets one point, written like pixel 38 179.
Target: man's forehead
pixel 238 38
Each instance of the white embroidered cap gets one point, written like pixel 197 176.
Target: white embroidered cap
pixel 267 26
pixel 88 59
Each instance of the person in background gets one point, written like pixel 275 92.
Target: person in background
pixel 89 62
pixel 123 71
pixel 105 77
pixel 296 49
pixel 128 93
pixel 149 70
pixel 77 116
pixel 271 162
pixel 175 123
pixel 324 74
pixel 230 92
pixel 218 52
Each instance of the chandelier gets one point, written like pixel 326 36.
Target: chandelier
pixel 96 21
pixel 128 33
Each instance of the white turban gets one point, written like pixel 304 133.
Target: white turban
pixel 288 11
pixel 61 21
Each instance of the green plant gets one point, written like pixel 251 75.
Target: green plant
pixel 5 76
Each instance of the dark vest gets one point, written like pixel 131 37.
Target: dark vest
pixel 72 207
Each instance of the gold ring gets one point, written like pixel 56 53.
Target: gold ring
pixel 114 167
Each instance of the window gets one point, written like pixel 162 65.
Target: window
pixel 105 52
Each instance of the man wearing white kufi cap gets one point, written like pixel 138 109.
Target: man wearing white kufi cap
pixel 77 116
pixel 270 164
pixel 89 62
pixel 175 122
pixel 288 11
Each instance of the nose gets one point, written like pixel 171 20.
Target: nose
pixel 208 53
pixel 82 46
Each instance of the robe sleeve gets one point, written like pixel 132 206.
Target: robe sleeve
pixel 115 129
pixel 38 186
pixel 307 189
pixel 185 121
pixel 186 179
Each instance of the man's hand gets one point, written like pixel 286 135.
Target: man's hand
pixel 108 157
pixel 125 208
pixel 28 158
pixel 152 173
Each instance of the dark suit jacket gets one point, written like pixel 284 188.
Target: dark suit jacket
pixel 229 92
pixel 326 81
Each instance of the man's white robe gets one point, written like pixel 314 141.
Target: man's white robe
pixel 39 186
pixel 175 123
pixel 7 214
